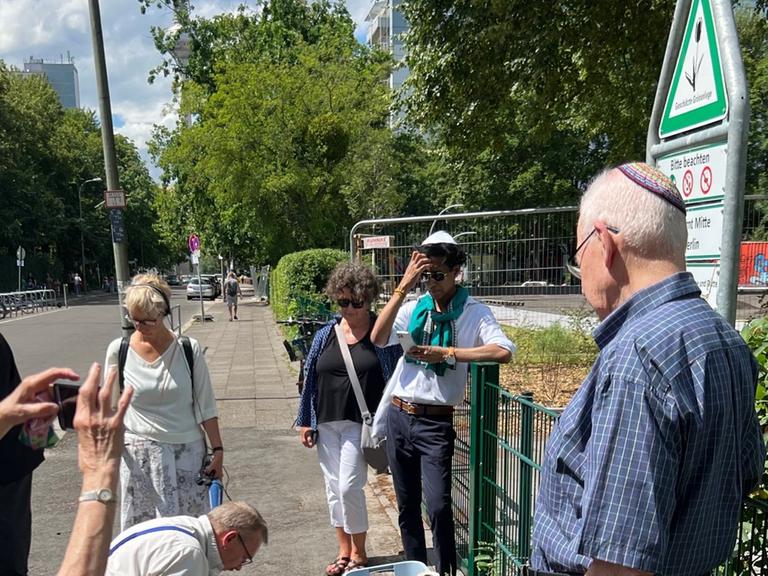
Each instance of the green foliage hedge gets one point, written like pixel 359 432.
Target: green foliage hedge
pixel 298 281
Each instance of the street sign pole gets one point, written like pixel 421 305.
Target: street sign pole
pixel 698 136
pixel 119 242
pixel 20 254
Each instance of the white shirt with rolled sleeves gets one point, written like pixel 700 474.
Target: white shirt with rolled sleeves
pixel 175 546
pixel 476 326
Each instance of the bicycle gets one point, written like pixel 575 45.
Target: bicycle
pixel 298 348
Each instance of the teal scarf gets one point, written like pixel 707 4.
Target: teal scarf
pixel 428 327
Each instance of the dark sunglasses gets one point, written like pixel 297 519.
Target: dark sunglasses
pixel 344 302
pixel 436 276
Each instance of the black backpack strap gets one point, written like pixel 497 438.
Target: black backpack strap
pixel 122 354
pixel 190 356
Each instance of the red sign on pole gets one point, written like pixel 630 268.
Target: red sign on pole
pixel 194 243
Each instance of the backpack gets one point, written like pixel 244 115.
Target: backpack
pixel 231 287
pixel 188 354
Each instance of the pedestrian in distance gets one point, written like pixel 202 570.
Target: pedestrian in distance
pixel 231 292
pixel 647 467
pixel 172 412
pixel 329 414
pixel 78 282
pixel 446 329
pixel 226 538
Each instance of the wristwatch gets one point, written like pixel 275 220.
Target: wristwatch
pixel 104 495
pixel 450 357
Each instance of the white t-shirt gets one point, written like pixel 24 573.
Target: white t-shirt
pixel 166 547
pixel 161 408
pixel 476 326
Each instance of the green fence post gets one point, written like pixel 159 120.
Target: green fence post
pixel 475 459
pixel 526 474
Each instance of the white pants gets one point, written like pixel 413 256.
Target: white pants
pixel 345 471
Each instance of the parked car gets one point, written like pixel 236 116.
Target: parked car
pixel 173 280
pixel 212 278
pixel 195 290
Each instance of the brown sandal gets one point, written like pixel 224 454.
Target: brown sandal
pixel 354 564
pixel 337 567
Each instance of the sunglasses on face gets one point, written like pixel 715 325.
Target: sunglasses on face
pixel 136 322
pixel 436 276
pixel 345 302
pixel 249 560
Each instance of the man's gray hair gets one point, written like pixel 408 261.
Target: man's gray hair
pixel 242 517
pixel 652 227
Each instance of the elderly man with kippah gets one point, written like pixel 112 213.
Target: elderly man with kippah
pixel 648 465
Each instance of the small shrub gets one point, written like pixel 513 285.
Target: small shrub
pixel 298 281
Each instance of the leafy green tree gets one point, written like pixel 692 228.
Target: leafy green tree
pixel 284 115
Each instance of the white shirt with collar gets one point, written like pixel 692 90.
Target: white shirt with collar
pixel 476 326
pixel 174 546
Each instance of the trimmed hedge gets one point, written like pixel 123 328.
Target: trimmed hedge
pixel 299 278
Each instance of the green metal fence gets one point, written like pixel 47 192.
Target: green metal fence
pixel 498 454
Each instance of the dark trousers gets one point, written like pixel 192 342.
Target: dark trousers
pixel 420 450
pixel 15 526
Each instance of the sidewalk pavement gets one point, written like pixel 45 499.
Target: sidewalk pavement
pixel 267 465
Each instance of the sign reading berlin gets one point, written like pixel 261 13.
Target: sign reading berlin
pixel 697 95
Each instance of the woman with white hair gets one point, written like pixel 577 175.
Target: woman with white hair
pixel 173 403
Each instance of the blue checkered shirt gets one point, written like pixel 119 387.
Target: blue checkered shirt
pixel 650 462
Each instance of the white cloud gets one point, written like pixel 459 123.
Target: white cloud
pixel 54 29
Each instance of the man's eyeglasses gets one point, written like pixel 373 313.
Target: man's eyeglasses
pixel 135 322
pixel 572 265
pixel 436 276
pixel 242 543
pixel 344 302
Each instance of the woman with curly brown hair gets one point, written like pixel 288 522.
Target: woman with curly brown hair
pixel 329 415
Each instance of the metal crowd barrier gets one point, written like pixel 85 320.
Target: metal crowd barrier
pixel 26 302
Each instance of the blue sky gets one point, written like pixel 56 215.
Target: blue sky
pixel 56 29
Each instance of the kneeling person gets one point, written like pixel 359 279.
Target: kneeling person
pixel 224 539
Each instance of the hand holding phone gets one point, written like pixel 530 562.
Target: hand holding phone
pixel 65 395
pixel 406 340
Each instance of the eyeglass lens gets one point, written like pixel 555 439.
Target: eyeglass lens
pixel 572 265
pixel 344 302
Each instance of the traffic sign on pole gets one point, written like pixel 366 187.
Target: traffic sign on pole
pixel 20 253
pixel 193 243
pixel 697 96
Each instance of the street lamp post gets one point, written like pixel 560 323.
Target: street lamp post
pixel 82 241
pixel 443 211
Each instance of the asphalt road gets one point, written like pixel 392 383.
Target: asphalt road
pixel 74 337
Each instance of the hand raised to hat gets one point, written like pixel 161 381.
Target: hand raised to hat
pixel 418 264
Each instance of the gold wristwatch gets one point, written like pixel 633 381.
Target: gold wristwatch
pixel 450 357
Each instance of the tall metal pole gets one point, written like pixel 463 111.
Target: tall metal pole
pixel 119 248
pixel 82 243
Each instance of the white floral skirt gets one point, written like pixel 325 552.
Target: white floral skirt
pixel 158 480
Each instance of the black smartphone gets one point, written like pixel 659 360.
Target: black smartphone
pixel 65 395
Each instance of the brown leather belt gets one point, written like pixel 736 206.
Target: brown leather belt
pixel 422 409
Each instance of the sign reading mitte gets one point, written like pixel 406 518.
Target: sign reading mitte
pixel 114 199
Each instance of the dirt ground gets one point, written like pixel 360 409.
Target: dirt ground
pixel 552 385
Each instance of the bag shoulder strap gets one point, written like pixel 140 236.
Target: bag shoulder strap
pixel 122 354
pixel 190 356
pixel 353 375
